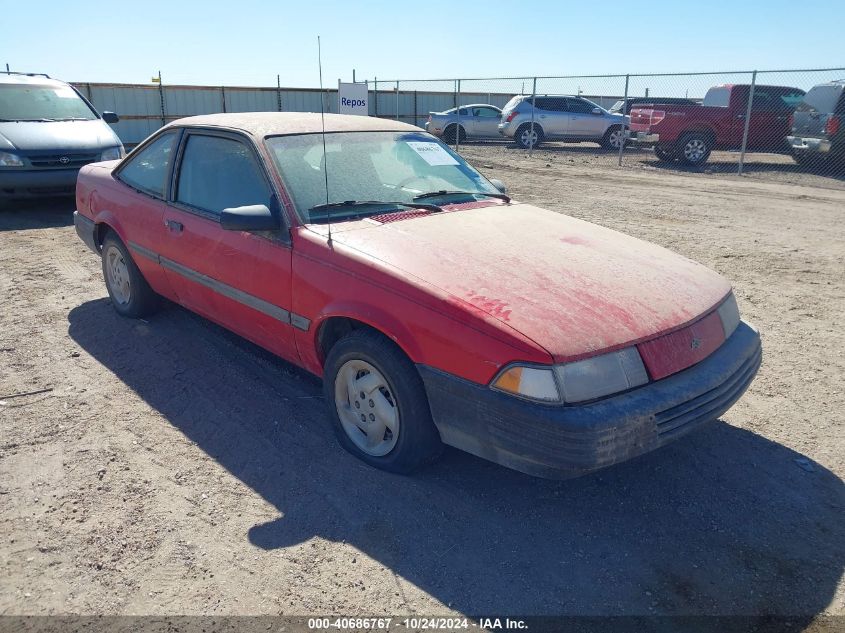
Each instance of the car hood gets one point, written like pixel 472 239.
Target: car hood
pixel 56 135
pixel 574 288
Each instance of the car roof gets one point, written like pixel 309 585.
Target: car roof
pixel 32 79
pixel 261 124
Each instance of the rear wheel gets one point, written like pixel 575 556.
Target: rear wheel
pixel 695 148
pixel 450 132
pixel 130 293
pixel 526 137
pixel 378 404
pixel 613 138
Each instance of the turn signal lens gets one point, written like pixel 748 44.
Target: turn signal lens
pixel 535 383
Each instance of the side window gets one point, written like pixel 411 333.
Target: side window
pixel 148 169
pixel 579 106
pixel 217 173
pixel 487 113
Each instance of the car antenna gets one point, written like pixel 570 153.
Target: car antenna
pixel 325 157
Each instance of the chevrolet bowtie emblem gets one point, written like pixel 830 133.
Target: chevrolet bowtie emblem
pixel 695 343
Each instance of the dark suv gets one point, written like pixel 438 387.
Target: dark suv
pixel 47 132
pixel 818 133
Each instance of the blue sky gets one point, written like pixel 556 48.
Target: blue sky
pixel 242 42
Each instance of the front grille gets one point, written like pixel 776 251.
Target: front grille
pixel 709 405
pixel 62 161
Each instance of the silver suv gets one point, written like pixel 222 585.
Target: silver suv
pixel 561 118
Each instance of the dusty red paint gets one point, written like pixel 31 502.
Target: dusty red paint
pixel 511 263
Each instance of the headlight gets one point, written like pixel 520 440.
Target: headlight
pixel 7 159
pixel 729 313
pixel 577 381
pixel 113 153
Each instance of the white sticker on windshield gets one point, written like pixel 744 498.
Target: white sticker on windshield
pixel 432 153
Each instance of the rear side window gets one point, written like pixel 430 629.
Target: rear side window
pixel 551 104
pixel 148 169
pixel 822 99
pixel 718 97
pixel 218 173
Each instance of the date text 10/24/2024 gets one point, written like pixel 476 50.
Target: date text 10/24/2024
pixel 415 623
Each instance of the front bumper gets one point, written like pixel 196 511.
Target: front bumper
pixel 560 442
pixel 32 183
pixel 646 138
pixel 86 230
pixel 808 144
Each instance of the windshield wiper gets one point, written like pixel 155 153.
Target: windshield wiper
pixel 27 120
pixel 73 118
pixel 372 203
pixel 443 192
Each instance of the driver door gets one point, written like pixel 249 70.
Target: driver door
pixel 239 279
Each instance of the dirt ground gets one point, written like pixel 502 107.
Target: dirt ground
pixel 166 466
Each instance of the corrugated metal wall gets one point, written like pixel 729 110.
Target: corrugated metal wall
pixel 140 106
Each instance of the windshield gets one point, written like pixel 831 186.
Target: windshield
pixel 32 102
pixel 371 166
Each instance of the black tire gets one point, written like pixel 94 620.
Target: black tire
pixel 449 134
pixel 418 441
pixel 807 159
pixel 142 300
pixel 606 141
pixel 664 155
pixel 694 148
pixel 523 138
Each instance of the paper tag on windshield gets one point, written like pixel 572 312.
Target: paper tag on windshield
pixel 432 153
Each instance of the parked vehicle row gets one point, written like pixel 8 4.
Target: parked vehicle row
pixel 47 132
pixel 783 119
pixel 529 120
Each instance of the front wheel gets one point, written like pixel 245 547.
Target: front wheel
pixel 129 292
pixel 614 138
pixel 378 405
pixel 695 149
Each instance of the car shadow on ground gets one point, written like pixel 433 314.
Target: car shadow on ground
pixel 724 521
pixel 41 213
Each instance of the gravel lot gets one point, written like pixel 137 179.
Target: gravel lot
pixel 168 466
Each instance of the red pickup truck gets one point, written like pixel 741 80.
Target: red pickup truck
pixel 690 132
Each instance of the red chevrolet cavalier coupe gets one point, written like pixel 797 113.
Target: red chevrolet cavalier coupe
pixel 436 309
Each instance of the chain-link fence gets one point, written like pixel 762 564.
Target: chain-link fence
pixel 790 123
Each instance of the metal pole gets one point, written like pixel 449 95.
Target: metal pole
pixel 747 122
pixel 223 96
pixel 279 91
pixel 353 76
pixel 416 114
pixel 458 111
pixel 397 100
pixel 161 99
pixel 624 126
pixel 375 90
pixel 533 99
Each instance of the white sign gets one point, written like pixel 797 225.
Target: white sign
pixel 432 153
pixel 352 98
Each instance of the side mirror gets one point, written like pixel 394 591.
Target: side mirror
pixel 597 111
pixel 499 185
pixel 256 217
pixel 110 117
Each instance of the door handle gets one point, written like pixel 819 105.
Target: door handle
pixel 174 226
